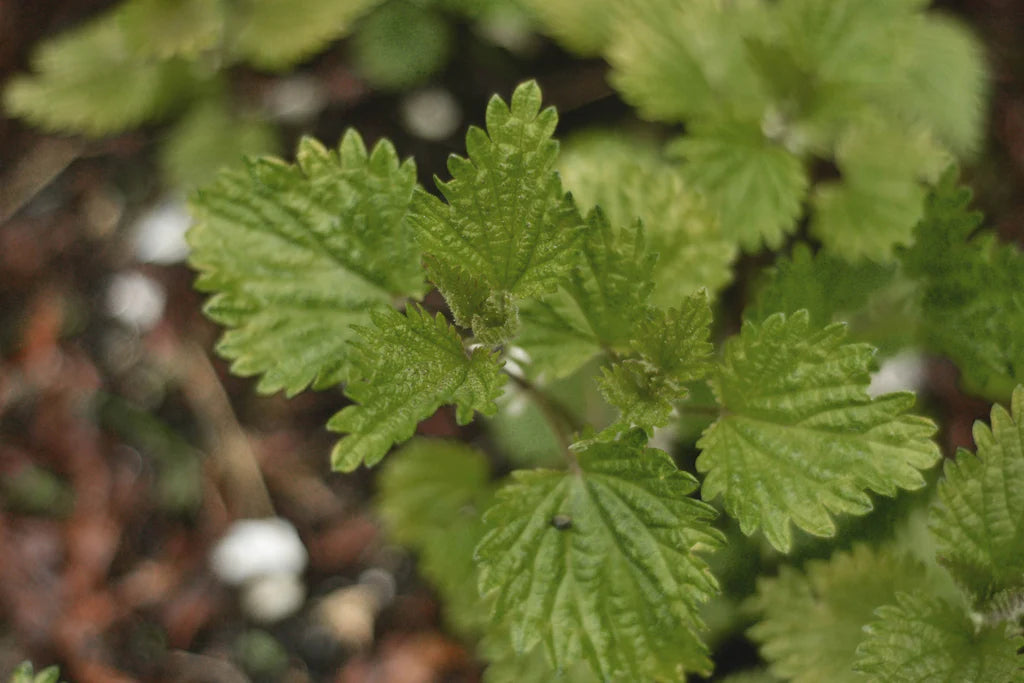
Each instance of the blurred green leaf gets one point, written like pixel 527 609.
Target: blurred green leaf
pixel 401 44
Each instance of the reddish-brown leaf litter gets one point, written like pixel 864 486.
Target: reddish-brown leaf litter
pixel 128 452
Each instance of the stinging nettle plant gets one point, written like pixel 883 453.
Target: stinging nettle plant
pixel 599 266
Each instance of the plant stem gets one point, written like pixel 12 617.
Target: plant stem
pixel 563 421
pixel 707 409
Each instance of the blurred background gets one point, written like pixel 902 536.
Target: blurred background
pixel 128 453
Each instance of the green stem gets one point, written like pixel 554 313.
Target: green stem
pixel 562 420
pixel 711 409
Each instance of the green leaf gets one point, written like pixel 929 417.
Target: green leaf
pixel 978 518
pixel 676 61
pixel 597 307
pixel 972 292
pixel 881 195
pixel 89 80
pixel 431 497
pixel 813 620
pixel 629 180
pixel 276 34
pixel 922 638
pixel 409 366
pixel 800 437
pixel 599 563
pixel 171 28
pixel 508 227
pixel 400 45
pixel 823 283
pixel 208 137
pixel 669 349
pixel 297 254
pixel 755 185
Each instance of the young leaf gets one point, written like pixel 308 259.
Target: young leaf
pixel 978 518
pixel 669 349
pixel 89 80
pixel 276 34
pixel 813 620
pixel 297 254
pixel 629 180
pixel 410 366
pixel 431 498
pixel 597 307
pixel 508 228
pixel 972 292
pixel 923 638
pixel 756 186
pixel 599 563
pixel 800 437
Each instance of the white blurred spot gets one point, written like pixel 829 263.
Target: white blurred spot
pixel 432 114
pixel 516 402
pixel 258 547
pixel 136 299
pixel 514 368
pixel 295 99
pixel 666 437
pixel 518 354
pixel 511 30
pixel 902 372
pixel 272 597
pixel 160 232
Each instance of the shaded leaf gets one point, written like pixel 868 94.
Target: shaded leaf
pixel 813 620
pixel 922 638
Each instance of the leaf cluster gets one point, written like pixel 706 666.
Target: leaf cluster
pixel 599 564
pixel 886 92
pixel 877 614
